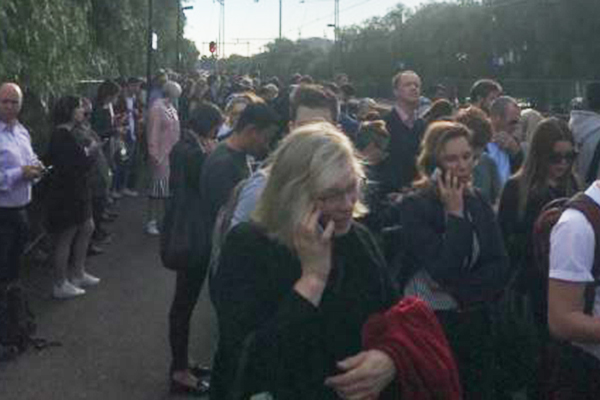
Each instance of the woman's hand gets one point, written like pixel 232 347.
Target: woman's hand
pixel 313 246
pixel 451 193
pixel 365 376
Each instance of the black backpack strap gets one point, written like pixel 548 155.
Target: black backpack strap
pixel 592 172
pixel 588 207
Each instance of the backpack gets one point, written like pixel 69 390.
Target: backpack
pixel 557 356
pixel 222 226
pixel 542 230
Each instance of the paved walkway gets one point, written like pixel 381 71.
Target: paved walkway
pixel 115 337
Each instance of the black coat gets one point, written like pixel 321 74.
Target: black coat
pixel 186 161
pixel 441 243
pixel 400 166
pixel 69 194
pixel 291 346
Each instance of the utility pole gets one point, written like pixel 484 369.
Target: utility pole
pixel 149 55
pixel 180 10
pixel 280 18
pixel 336 21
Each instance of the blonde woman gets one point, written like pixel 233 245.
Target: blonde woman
pixel 162 134
pixel 296 284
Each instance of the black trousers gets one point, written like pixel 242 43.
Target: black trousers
pixel 469 335
pixel 574 374
pixel 187 290
pixel 13 238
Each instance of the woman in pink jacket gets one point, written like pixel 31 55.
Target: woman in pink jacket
pixel 162 134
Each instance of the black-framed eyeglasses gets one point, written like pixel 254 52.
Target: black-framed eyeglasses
pixel 558 157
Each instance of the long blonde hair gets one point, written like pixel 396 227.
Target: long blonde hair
pixel 307 162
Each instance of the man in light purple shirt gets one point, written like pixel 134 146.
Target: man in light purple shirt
pixel 19 168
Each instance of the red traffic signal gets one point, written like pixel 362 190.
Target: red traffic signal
pixel 212 46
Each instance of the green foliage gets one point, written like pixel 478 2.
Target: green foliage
pixel 50 45
pixel 462 40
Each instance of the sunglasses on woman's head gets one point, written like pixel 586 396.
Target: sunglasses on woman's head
pixel 557 157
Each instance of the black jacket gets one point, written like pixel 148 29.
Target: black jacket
pixel 273 340
pixel 400 166
pixel 186 162
pixel 442 243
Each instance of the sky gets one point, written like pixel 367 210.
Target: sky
pixel 250 24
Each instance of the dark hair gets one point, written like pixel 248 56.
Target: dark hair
pixel 478 122
pixel 439 109
pixel 133 80
pixel 204 118
pixel 534 172
pixel 107 89
pixel 313 96
pixel 307 79
pixel 64 108
pixel 348 90
pixel 373 132
pixel 592 96
pixel 500 105
pixel 259 115
pixel 483 87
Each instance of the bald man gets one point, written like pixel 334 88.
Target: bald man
pixel 406 131
pixel 19 168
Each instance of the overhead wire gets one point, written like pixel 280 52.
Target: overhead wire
pixel 328 16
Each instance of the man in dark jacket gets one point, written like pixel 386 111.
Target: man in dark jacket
pixel 227 165
pixel 406 131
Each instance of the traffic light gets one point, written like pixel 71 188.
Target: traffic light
pixel 212 46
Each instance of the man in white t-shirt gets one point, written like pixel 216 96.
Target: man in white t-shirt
pixel 572 252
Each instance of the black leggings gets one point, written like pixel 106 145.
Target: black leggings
pixel 187 290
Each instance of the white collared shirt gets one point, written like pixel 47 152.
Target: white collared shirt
pixel 572 247
pixel 15 153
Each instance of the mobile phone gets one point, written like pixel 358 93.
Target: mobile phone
pixel 321 224
pixel 439 174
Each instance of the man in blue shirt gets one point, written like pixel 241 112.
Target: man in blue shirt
pixel 19 168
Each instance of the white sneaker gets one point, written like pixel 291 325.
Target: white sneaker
pixel 116 195
pixel 86 280
pixel 130 193
pixel 66 290
pixel 152 228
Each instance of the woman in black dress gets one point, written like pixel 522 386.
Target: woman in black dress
pixel 69 199
pixel 296 284
pixel 186 161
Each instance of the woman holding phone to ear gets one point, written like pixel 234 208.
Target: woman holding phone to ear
pixel 296 284
pixel 453 247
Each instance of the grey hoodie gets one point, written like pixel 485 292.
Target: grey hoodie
pixel 586 129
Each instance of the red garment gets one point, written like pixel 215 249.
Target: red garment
pixel 411 335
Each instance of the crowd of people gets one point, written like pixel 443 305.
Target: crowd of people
pixel 354 249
